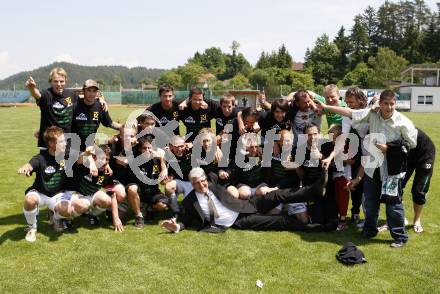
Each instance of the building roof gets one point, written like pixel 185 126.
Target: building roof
pixel 244 92
pixel 298 66
pixel 421 67
pixel 205 77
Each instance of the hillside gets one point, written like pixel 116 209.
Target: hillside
pixel 109 75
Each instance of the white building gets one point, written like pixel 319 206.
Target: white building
pixel 423 87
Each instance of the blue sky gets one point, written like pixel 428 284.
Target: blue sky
pixel 162 34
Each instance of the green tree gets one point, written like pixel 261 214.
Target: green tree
pixel 235 63
pixel 264 61
pixel 301 80
pixel 259 78
pixel 388 31
pixel 387 65
pixel 101 84
pixel 369 21
pixel 344 45
pixel 360 76
pixel 191 73
pixel 283 58
pixel 321 60
pixel 359 41
pixel 212 59
pixel 239 82
pixel 171 78
pixel 431 40
pixel 116 80
pixel 412 45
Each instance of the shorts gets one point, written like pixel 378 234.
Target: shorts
pixel 64 197
pixel 110 189
pixel 295 208
pixel 150 196
pixel 184 187
pixel 421 181
pixel 43 200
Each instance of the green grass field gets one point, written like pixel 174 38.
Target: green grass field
pixel 151 260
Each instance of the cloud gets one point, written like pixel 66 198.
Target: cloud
pixel 4 57
pixel 66 57
pixel 7 67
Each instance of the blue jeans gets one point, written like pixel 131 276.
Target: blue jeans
pixel 394 211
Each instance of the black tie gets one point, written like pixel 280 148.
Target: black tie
pixel 212 210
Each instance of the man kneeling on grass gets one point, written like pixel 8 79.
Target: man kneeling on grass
pixel 49 180
pixel 85 189
pixel 210 208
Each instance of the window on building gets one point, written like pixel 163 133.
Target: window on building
pixel 428 100
pixel 425 100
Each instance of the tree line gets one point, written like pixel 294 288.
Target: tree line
pixel 374 50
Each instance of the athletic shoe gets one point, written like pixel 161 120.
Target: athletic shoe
pixel 93 220
pixel 383 228
pixel 67 224
pixel 50 217
pixel 58 225
pixel 342 226
pixel 31 234
pixel 397 244
pixel 139 222
pixel 360 225
pixel 355 218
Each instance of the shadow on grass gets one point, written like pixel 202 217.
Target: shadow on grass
pixel 351 234
pixel 18 233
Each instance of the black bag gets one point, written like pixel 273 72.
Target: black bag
pixel 350 254
pixel 397 157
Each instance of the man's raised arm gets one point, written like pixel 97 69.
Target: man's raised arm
pixel 32 87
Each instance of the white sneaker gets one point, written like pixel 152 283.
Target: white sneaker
pixel 360 225
pixel 383 228
pixel 31 234
pixel 406 222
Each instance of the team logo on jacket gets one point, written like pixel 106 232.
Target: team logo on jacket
pixel 175 114
pixel 190 120
pixel 62 164
pixel 68 101
pixel 50 170
pixel 58 106
pixel 276 127
pixel 95 115
pixel 81 116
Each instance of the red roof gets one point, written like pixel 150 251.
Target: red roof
pixel 298 66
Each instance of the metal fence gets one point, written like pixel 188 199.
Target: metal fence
pixel 14 96
pixel 122 97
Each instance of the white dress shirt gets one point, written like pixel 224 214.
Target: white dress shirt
pixel 394 128
pixel 226 217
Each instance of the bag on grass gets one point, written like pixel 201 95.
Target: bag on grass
pixel 349 254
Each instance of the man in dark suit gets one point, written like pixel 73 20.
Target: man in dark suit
pixel 210 208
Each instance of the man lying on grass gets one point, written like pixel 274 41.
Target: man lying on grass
pixel 210 208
